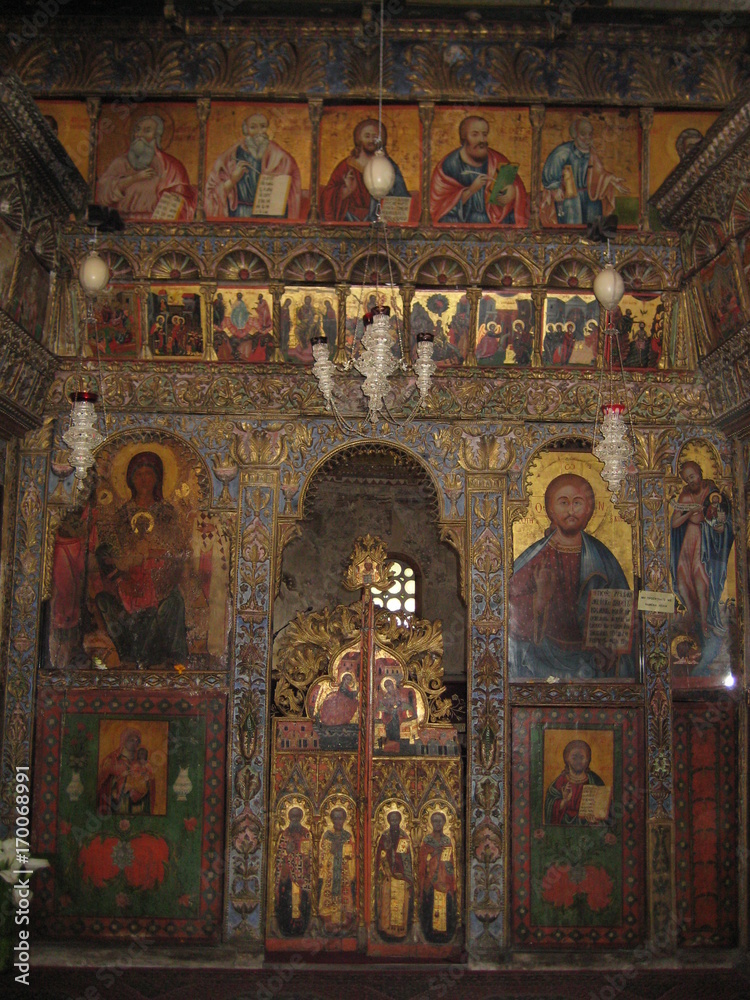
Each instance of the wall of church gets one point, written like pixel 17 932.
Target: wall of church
pixel 150 626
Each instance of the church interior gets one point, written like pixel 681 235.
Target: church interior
pixel 374 448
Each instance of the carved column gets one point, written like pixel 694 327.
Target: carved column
pixel 658 683
pixel 208 294
pixel 407 348
pixel 248 748
pixel 537 297
pixel 486 931
pixel 426 115
pixel 145 353
pixel 94 109
pixel 536 117
pixel 203 109
pixel 474 295
pixel 342 293
pixel 23 612
pixel 277 290
pixel 647 120
pixel 315 110
pixel 665 359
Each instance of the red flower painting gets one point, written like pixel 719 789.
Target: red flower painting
pixel 95 859
pixel 150 857
pixel 142 861
pixel 562 883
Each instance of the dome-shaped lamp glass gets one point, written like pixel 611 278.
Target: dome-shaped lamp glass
pixel 93 274
pixel 379 174
pixel 609 288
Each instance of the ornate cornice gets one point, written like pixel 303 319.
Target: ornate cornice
pixel 257 391
pixel 26 370
pixel 692 188
pixel 613 64
pixel 36 144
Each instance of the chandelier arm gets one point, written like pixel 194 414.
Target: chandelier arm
pixel 399 331
pixel 380 78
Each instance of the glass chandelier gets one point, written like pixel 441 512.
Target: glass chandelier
pixel 614 448
pixel 82 436
pixel 373 355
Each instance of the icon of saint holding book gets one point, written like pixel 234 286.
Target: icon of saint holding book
pixel 476 184
pixel 577 796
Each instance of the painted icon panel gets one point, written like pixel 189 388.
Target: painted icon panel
pixel 71 124
pixel 640 322
pixel 307 312
pixel 113 327
pixel 571 329
pixel 140 573
pixel 723 298
pixel 576 816
pixel 702 564
pixel 348 137
pixel 673 136
pixel 481 166
pixel 130 801
pixel 590 167
pixel 446 315
pixel 175 321
pixel 8 250
pixel 28 307
pixel 243 324
pixel 570 601
pixel 258 162
pixel 506 329
pixel 147 161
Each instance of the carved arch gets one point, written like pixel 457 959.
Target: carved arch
pixel 572 272
pixel 442 270
pixel 309 267
pixel 370 269
pixel 242 265
pixel 507 271
pixel 175 265
pixel 707 241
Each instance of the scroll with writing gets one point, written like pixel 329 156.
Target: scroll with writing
pixel 609 620
pixel 271 194
pixel 396 208
pixel 169 207
pixel 595 801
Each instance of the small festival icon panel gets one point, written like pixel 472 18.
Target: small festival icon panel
pixel 365 783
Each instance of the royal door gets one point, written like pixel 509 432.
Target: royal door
pixel 365 812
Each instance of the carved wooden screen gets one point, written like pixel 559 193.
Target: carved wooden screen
pixel 365 813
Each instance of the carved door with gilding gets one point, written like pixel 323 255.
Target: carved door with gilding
pixel 365 836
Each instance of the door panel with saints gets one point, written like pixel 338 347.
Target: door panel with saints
pixel 365 808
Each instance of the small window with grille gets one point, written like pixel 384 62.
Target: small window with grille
pixel 402 595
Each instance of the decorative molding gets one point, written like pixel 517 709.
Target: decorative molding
pixel 517 62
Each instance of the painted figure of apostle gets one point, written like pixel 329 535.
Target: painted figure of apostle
pixel 463 181
pixel 232 182
pixel 395 881
pixel 136 182
pixel 562 804
pixel 436 877
pixel 337 890
pixel 293 876
pixel 549 592
pixel 576 187
pixel 345 197
pixel 701 540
